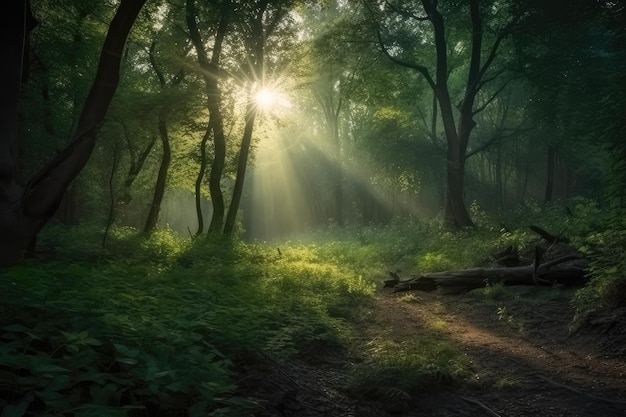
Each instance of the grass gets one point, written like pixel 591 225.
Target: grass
pixel 407 367
pixel 150 325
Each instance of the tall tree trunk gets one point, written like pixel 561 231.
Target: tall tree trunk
pixel 111 217
pixel 499 178
pixel 217 169
pixel 68 211
pixel 256 72
pixel 231 217
pixel 136 165
pixel 161 183
pixel 551 172
pixel 23 212
pixel 211 70
pixel 457 138
pixel 456 211
pixel 331 117
pixel 200 181
pixel 334 127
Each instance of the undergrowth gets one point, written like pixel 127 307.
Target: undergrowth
pixel 148 326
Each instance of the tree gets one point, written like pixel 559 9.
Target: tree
pixel 401 49
pixel 259 20
pixel 211 74
pixel 24 210
pixel 569 63
pixel 334 70
pixel 52 98
pixel 162 117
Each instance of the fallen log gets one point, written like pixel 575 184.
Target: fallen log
pixel 507 257
pixel 536 273
pixel 549 237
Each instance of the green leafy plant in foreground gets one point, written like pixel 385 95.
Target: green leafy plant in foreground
pixel 607 287
pixel 151 324
pixel 398 370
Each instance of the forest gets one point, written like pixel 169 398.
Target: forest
pixel 313 208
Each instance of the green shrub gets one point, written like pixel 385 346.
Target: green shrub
pixel 157 318
pixel 607 270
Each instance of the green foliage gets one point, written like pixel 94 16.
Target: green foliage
pixel 151 322
pixel 607 287
pixel 88 340
pixel 495 291
pixel 395 369
pixel 574 218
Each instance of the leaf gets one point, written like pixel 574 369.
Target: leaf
pixel 131 353
pixel 33 336
pixel 102 411
pixel 60 382
pixel 38 366
pixel 50 396
pixel 92 341
pixel 14 410
pixel 16 328
pixel 20 409
pixel 103 395
pixel 82 359
pixel 198 409
pixel 91 375
pixel 127 361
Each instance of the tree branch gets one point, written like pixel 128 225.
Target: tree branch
pixel 493 97
pixel 406 13
pixel 421 69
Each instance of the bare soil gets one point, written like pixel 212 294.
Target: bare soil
pixel 524 361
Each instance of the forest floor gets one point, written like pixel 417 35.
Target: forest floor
pixel 522 357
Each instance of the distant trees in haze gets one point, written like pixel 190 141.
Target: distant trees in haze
pixel 399 108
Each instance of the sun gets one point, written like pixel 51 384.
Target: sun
pixel 271 99
pixel 266 98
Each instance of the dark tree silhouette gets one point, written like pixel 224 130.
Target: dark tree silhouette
pixel 24 210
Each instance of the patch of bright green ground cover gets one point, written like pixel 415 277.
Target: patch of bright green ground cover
pixel 130 324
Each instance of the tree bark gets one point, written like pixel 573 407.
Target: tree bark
pixel 457 133
pixel 551 172
pixel 136 165
pixel 244 151
pixel 469 279
pixel 332 111
pixel 23 212
pixel 256 67
pixel 200 180
pixel 161 183
pixel 210 70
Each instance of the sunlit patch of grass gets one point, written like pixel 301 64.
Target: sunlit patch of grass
pixel 434 262
pixel 170 312
pixel 505 382
pixel 407 366
pixel 505 317
pixel 438 308
pixel 437 324
pixel 409 298
pixel 180 310
pixel 494 292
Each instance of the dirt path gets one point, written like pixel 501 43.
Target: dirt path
pixel 523 364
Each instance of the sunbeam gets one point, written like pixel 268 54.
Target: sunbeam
pixel 293 182
pixel 265 98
